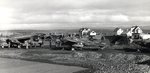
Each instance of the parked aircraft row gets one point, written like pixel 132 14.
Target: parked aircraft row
pixel 25 41
pixel 84 39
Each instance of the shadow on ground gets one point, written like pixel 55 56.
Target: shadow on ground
pixel 147 62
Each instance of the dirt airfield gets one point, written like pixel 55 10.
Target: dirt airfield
pixel 21 66
pixel 103 61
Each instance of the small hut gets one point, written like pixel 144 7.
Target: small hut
pixel 118 31
pixel 92 33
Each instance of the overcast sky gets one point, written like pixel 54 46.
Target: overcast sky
pixel 55 14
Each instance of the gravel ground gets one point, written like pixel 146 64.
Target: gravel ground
pixel 96 62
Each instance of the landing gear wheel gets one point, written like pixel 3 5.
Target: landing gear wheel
pixel 72 49
pixel 138 50
pixel 2 46
pixel 19 46
pixel 27 47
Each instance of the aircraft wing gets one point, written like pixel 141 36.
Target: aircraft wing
pixel 73 40
pixel 22 39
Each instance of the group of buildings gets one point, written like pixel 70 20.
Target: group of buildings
pixel 86 32
pixel 134 32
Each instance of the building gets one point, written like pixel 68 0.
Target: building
pixel 84 31
pixel 134 30
pixel 118 31
pixel 92 33
pixel 144 36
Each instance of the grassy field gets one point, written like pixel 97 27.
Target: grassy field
pixel 95 61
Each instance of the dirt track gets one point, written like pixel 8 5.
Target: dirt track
pixel 20 66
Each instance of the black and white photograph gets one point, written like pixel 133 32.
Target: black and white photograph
pixel 74 36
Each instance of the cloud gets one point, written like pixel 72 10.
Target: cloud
pixel 47 12
pixel 119 18
pixel 140 18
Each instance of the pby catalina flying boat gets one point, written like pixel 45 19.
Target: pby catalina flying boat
pixel 26 41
